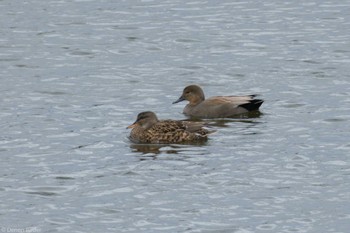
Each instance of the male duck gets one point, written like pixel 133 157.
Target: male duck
pixel 217 106
pixel 148 129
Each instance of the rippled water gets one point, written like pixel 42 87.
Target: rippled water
pixel 74 74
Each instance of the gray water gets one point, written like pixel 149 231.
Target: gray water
pixel 74 74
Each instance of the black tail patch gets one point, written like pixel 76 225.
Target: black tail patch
pixel 253 105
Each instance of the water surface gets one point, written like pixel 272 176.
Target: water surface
pixel 74 74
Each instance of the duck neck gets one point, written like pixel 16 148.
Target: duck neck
pixel 149 124
pixel 197 99
pixel 137 134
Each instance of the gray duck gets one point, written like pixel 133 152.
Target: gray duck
pixel 217 106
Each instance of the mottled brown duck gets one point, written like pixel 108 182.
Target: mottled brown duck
pixel 148 129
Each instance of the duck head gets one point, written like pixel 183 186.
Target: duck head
pixel 193 93
pixel 145 120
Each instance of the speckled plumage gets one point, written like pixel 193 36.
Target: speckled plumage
pixel 148 129
pixel 217 106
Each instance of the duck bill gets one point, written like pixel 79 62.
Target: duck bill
pixel 179 100
pixel 132 125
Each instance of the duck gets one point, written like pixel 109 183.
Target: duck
pixel 148 129
pixel 216 106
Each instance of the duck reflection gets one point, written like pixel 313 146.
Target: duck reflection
pixel 150 148
pixel 248 118
pixel 156 149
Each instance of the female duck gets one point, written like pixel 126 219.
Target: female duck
pixel 148 129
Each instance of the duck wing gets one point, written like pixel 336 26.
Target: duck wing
pixel 177 131
pixel 224 106
pixel 234 100
pixel 168 126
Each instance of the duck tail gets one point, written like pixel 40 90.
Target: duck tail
pixel 253 105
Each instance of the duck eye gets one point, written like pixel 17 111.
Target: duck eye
pixel 141 117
